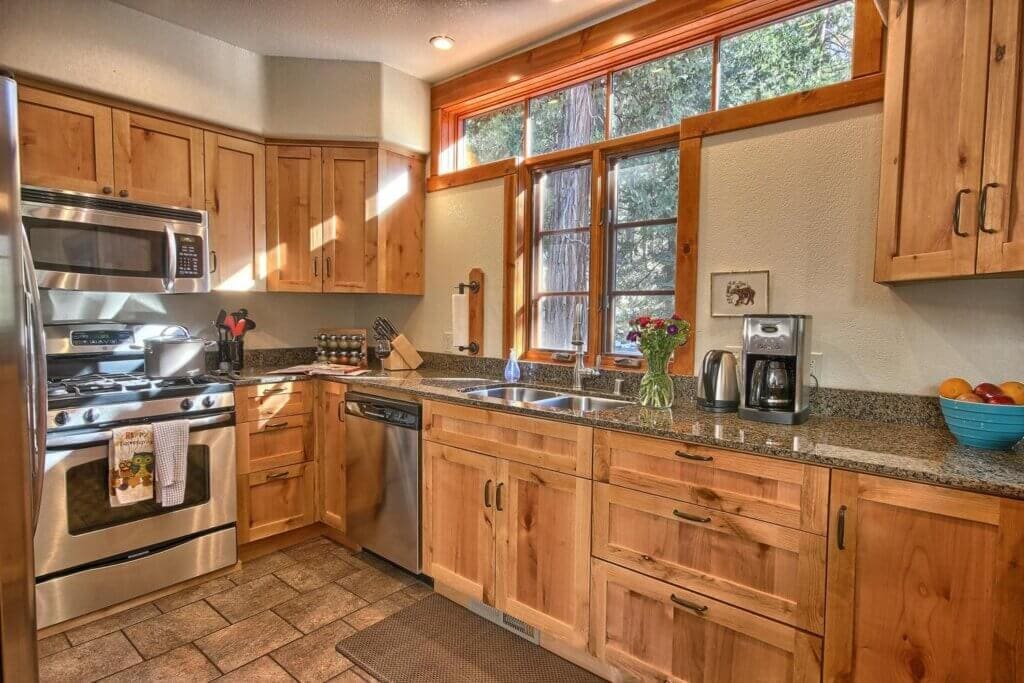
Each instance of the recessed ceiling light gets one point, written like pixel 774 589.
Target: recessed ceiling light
pixel 442 42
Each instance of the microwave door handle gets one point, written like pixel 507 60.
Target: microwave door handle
pixel 172 259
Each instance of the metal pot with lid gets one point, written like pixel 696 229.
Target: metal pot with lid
pixel 176 356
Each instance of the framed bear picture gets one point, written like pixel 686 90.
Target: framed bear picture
pixel 735 294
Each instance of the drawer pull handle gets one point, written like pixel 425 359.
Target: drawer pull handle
pixel 691 517
pixel 700 610
pixel 278 390
pixel 277 475
pixel 841 528
pixel 497 497
pixel 691 456
pixel 276 425
pixel 487 493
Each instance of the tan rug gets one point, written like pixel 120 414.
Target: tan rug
pixel 436 640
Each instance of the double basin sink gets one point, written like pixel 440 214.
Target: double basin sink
pixel 546 398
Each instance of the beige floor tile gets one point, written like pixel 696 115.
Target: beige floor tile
pixel 314 658
pixel 370 584
pixel 90 661
pixel 115 622
pixel 52 645
pixel 247 640
pixel 241 602
pixel 368 616
pixel 417 591
pixel 309 548
pixel 315 571
pixel 319 607
pixel 189 595
pixel 261 566
pixel 262 670
pixel 354 675
pixel 177 627
pixel 185 663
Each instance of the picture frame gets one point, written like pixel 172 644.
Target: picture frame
pixel 738 293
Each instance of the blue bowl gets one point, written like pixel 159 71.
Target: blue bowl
pixel 984 425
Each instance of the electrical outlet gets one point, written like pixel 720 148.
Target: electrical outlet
pixel 817 366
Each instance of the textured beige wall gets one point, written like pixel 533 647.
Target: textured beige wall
pixel 405 109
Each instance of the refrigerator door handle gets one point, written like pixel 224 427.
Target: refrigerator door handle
pixel 37 371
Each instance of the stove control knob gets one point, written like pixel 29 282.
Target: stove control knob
pixel 61 418
pixel 208 401
pixel 90 415
pixel 186 404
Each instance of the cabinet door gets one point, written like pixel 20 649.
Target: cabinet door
pixel 279 399
pixel 544 549
pixel 350 219
pixel 400 227
pixel 64 143
pixel 158 161
pixel 331 455
pixel 656 632
pixel 273 443
pixel 924 583
pixel 294 232
pixel 458 519
pixel 274 501
pixel 236 201
pixel 932 140
pixel 1001 216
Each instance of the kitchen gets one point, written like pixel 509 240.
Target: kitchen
pixel 799 480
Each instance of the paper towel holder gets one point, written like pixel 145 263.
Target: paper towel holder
pixel 473 286
pixel 476 310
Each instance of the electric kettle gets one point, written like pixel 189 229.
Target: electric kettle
pixel 717 384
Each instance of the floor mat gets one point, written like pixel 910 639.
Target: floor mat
pixel 437 640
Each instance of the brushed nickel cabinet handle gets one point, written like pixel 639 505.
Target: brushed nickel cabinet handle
pixel 341 404
pixel 691 517
pixel 691 456
pixel 327 265
pixel 956 213
pixel 487 493
pixel 701 610
pixel 497 497
pixel 213 261
pixel 277 475
pixel 276 425
pixel 841 528
pixel 316 266
pixel 123 193
pixel 983 208
pixel 107 189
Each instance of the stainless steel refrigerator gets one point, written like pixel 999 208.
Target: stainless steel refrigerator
pixel 23 410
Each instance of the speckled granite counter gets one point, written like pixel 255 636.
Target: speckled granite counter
pixel 916 453
pixel 260 375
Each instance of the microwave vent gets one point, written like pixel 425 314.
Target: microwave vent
pixel 87 201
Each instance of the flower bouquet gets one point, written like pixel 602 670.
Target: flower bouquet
pixel 657 339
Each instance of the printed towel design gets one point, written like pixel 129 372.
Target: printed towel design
pixel 131 465
pixel 170 445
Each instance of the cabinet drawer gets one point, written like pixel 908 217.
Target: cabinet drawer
pixel 273 501
pixel 786 493
pixel 765 568
pixel 653 631
pixel 264 401
pixel 274 443
pixel 544 443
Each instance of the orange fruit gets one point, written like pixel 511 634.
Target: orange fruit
pixel 1014 390
pixel 955 387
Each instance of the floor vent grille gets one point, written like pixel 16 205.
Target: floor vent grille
pixel 507 622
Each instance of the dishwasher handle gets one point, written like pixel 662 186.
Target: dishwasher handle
pixel 387 411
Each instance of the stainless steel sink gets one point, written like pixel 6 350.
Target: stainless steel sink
pixel 581 404
pixel 518 394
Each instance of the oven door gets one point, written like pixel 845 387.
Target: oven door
pixel 78 527
pixel 86 249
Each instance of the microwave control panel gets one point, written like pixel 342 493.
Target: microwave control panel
pixel 189 256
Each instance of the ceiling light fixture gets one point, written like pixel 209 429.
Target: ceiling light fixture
pixel 442 42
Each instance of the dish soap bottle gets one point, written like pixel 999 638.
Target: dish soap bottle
pixel 512 373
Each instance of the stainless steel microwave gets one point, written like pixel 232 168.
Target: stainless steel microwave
pixel 88 242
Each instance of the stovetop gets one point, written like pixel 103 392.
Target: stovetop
pixel 119 387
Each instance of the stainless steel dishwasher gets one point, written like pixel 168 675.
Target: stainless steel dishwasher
pixel 382 483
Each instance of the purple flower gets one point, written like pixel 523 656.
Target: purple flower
pixel 673 329
pixel 632 336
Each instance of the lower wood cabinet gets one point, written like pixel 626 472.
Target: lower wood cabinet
pixel 275 500
pixel 279 399
pixel 653 631
pixel 331 465
pixel 924 583
pixel 273 443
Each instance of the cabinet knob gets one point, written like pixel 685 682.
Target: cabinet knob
pixel 107 189
pixel 122 193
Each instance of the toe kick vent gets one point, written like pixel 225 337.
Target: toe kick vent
pixel 506 621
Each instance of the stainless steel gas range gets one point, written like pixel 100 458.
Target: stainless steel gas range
pixel 89 554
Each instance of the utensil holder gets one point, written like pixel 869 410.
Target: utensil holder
pixel 231 352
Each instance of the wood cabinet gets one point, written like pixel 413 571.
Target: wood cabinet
pixel 331 464
pixel 924 583
pixel 236 188
pixel 158 161
pixel 278 399
pixel 273 443
pixel 948 180
pixel 350 219
pixel 274 501
pixel 652 631
pixel 400 215
pixel 294 212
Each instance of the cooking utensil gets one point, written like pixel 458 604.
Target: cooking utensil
pixel 178 356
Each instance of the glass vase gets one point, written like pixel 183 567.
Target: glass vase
pixel 656 388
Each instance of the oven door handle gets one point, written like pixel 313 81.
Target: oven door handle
pixel 65 440
pixel 172 258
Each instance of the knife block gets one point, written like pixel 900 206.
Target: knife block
pixel 403 355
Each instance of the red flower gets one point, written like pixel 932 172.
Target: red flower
pixel 643 321
pixel 676 316
pixel 659 323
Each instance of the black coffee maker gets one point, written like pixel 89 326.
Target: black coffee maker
pixel 776 363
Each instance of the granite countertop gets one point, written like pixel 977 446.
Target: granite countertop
pixel 926 454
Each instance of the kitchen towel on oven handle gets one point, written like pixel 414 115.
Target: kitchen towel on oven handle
pixel 131 465
pixel 170 441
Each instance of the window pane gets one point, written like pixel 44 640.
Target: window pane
pixel 552 324
pixel 564 262
pixel 647 186
pixel 567 118
pixel 645 258
pixel 492 136
pixel 564 197
pixel 662 92
pixel 626 307
pixel 803 52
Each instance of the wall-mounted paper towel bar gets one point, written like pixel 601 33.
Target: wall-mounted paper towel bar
pixel 468 314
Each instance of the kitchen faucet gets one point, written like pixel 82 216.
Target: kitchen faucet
pixel 580 370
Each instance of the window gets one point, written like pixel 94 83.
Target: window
pixel 492 136
pixel 570 117
pixel 660 93
pixel 803 52
pixel 561 253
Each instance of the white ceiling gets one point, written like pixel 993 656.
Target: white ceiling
pixel 394 32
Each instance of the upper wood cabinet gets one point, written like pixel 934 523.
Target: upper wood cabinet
pixel 946 205
pixel 400 210
pixel 158 161
pixel 350 220
pixel 236 204
pixel 294 210
pixel 924 583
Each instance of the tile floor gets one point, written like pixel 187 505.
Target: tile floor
pixel 276 619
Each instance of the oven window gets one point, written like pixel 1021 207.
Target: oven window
pixel 70 247
pixel 89 502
